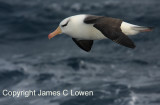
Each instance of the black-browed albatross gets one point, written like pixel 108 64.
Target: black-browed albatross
pixel 85 28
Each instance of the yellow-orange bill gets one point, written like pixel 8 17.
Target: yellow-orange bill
pixel 56 32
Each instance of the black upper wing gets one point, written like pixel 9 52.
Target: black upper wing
pixel 110 27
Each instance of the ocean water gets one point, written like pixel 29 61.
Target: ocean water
pixel 117 75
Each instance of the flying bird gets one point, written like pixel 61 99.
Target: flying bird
pixel 84 29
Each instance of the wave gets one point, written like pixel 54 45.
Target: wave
pixel 11 78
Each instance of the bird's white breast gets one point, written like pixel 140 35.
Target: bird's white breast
pixel 80 30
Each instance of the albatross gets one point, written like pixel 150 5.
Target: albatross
pixel 84 29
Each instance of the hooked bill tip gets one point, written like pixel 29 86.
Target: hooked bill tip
pixel 49 36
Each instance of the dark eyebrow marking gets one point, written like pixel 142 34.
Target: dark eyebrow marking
pixel 65 24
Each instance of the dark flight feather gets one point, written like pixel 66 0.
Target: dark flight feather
pixel 84 44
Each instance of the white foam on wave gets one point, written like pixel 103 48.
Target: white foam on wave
pixel 6 65
pixel 133 99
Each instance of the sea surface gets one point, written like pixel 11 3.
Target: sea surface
pixel 117 75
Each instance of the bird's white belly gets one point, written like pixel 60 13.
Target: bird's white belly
pixel 87 32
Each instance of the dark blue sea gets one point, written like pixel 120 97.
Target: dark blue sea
pixel 117 75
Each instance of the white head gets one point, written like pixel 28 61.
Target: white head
pixel 66 25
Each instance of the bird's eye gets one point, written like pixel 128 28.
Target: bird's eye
pixel 65 24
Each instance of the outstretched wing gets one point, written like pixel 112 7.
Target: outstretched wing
pixel 110 27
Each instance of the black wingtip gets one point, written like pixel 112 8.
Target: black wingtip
pixel 133 46
pixel 130 45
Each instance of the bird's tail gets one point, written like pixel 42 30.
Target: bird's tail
pixel 142 28
pixel 131 29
